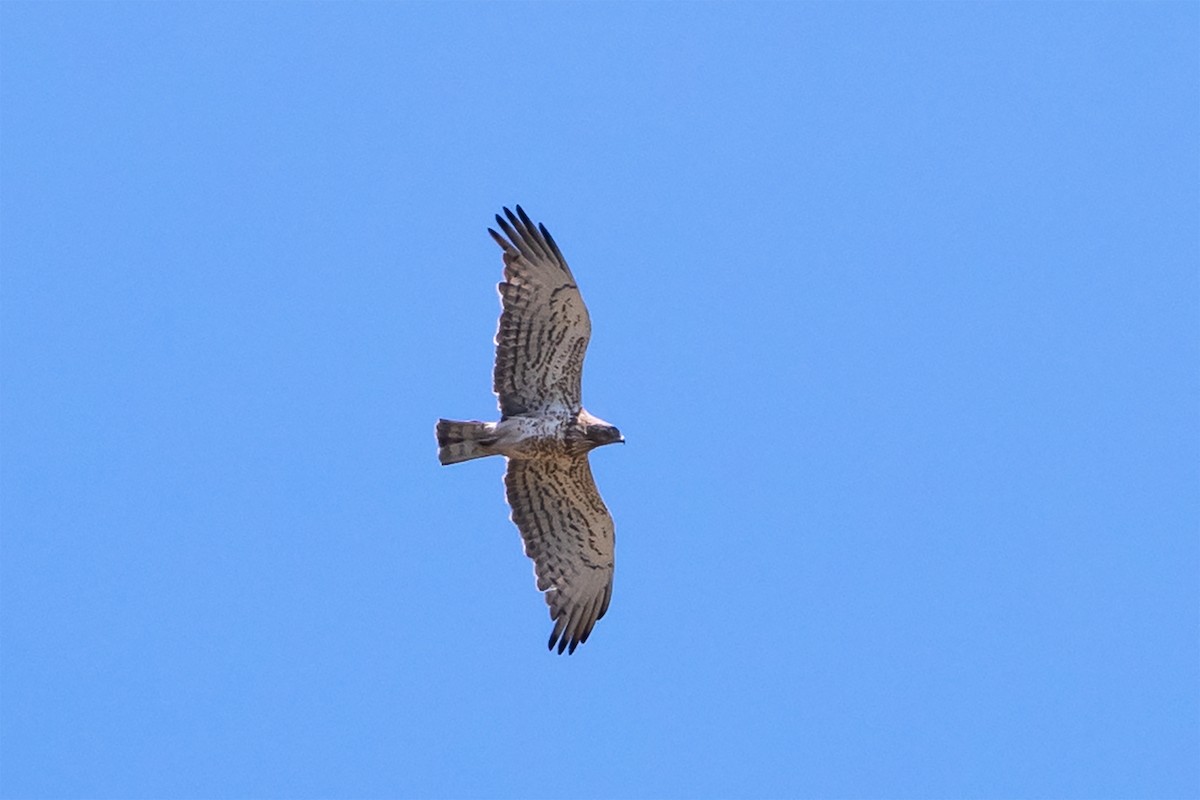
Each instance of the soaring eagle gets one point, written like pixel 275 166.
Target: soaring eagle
pixel 544 431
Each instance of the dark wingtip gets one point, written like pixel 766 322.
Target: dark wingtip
pixel 514 240
pixel 525 218
pixel 550 241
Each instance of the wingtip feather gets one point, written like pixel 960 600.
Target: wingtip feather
pixel 525 218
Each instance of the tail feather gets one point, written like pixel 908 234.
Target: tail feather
pixel 463 441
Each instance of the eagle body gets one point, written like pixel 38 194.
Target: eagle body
pixel 544 432
pixel 524 437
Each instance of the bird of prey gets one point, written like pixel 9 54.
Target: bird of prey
pixel 544 431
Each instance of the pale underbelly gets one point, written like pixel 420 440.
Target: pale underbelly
pixel 531 438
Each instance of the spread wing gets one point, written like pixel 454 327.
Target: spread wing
pixel 569 535
pixel 544 325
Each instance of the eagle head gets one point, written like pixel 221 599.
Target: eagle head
pixel 603 434
pixel 597 432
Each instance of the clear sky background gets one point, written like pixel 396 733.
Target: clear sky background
pixel 896 305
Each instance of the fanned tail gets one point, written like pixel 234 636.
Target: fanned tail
pixel 463 441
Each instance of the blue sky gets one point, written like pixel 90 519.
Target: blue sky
pixel 896 305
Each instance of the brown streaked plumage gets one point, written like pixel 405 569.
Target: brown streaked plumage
pixel 544 431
